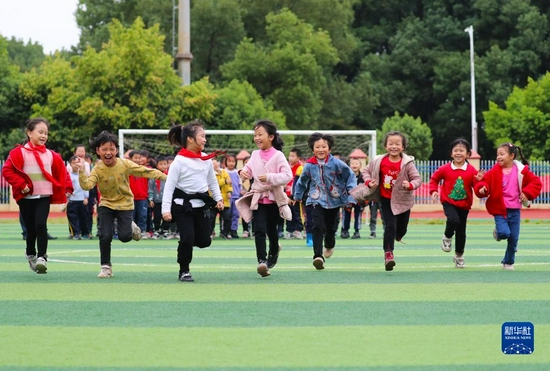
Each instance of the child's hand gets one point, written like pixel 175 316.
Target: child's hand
pixel 483 190
pixel 244 175
pixel 167 216
pixel 79 163
pixel 220 205
pixel 406 184
pixel 480 175
pixel 523 197
pixel 151 204
pixel 262 178
pixel 435 197
pixel 373 184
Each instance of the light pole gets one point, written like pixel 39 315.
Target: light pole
pixel 470 31
pixel 184 56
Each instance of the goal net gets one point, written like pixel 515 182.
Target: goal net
pixel 240 142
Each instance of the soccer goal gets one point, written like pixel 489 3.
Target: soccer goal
pixel 241 141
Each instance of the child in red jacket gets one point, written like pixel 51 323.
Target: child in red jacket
pixel 508 185
pixel 38 177
pixel 456 194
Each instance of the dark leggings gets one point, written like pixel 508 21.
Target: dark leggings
pixel 266 219
pixel 456 223
pixel 395 226
pixel 35 213
pixel 105 227
pixel 194 228
pixel 324 227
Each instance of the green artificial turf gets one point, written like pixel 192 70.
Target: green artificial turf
pixel 424 315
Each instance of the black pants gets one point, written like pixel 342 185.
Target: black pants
pixel 107 219
pixel 35 215
pixel 325 224
pixel 266 220
pixel 194 228
pixel 395 226
pixel 296 223
pixel 78 216
pixel 456 223
pixel 159 224
pixel 225 220
pixel 357 212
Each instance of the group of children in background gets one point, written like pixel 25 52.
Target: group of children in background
pixel 142 199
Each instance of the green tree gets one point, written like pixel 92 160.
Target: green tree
pixel 128 84
pixel 525 121
pixel 418 135
pixel 26 56
pixel 289 70
pixel 216 30
pixel 9 79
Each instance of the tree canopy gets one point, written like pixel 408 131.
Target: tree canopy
pixel 316 64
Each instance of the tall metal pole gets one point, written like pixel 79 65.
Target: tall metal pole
pixel 470 31
pixel 184 56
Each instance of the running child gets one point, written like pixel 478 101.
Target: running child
pixel 111 175
pixel 508 186
pixel 330 181
pixel 391 179
pixel 38 177
pixel 186 199
pixel 266 198
pixel 453 184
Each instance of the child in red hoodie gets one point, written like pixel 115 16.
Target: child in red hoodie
pixel 508 185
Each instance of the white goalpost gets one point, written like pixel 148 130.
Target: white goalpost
pixel 234 141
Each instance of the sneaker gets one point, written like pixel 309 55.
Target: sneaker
pixel 263 269
pixel 186 277
pixel 106 272
pixel 508 267
pixel 272 259
pixel 155 236
pixel 298 235
pixel 495 235
pixel 287 235
pixel 245 234
pixel 446 244
pixel 327 253
pixel 355 236
pixel 344 234
pixel 372 235
pixel 319 263
pixel 32 262
pixel 77 237
pixel 459 261
pixel 145 236
pixel 169 236
pixel 41 265
pixel 234 234
pixel 225 236
pixel 388 260
pixel 136 232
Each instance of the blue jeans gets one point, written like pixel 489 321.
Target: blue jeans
pixel 508 229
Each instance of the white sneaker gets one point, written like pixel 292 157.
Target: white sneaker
pixel 298 235
pixel 459 261
pixel 287 236
pixel 327 253
pixel 106 272
pixel 41 265
pixel 446 244
pixel 319 263
pixel 508 267
pixel 136 232
pixel 155 236
pixel 32 262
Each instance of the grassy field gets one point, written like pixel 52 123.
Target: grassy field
pixel 425 315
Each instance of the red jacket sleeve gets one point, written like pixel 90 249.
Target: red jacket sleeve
pixel 531 185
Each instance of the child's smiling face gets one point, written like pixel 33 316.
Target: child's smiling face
pixel 321 149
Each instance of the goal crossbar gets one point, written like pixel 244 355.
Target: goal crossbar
pixel 371 133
